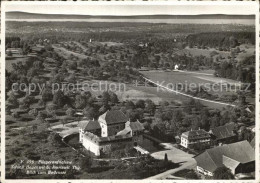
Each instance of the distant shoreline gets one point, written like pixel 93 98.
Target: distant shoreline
pixel 166 21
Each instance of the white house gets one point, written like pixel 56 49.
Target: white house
pixel 190 138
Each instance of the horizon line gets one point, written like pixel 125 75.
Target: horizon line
pixel 252 15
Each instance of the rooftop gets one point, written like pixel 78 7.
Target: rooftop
pixel 196 134
pixel 225 131
pixel 97 139
pixel 114 116
pixel 211 159
pixel 89 125
pixel 136 126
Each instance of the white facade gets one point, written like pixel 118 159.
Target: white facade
pixel 184 142
pixel 97 145
pixel 103 124
pixel 81 133
pixel 91 146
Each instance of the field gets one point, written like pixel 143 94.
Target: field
pixel 190 80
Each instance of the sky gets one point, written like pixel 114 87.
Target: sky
pixel 83 9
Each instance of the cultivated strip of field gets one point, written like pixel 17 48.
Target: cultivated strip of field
pixel 219 80
pixel 207 74
pixel 190 96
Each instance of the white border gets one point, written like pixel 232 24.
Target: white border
pixel 234 3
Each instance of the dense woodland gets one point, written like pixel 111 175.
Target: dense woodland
pixel 221 40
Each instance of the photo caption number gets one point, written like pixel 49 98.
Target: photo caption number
pixel 30 161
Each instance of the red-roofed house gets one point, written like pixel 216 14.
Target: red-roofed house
pixel 239 157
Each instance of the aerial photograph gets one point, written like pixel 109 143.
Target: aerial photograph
pixel 129 92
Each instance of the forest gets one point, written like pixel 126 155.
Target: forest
pixel 220 40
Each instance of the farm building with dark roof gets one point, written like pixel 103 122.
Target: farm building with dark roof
pixel 224 134
pixel 242 161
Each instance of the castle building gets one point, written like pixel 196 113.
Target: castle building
pixel 112 131
pixel 112 122
pixel 135 129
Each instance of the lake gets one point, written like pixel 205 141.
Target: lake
pixel 168 21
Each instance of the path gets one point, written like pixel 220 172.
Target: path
pixel 184 94
pixel 172 177
pixel 177 156
pixel 168 173
pixel 66 130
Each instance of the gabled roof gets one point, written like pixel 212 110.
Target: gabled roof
pixel 211 159
pixel 114 116
pixel 230 163
pixel 225 131
pixel 206 162
pixel 196 134
pixel 124 132
pixel 136 126
pixel 89 125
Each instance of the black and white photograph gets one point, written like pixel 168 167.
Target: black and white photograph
pixel 144 91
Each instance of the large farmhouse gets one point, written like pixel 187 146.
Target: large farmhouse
pixel 111 131
pixel 224 134
pixel 190 138
pixel 239 157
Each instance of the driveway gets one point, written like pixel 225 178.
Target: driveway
pixel 177 156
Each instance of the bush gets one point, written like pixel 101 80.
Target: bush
pixel 86 163
pixel 188 174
